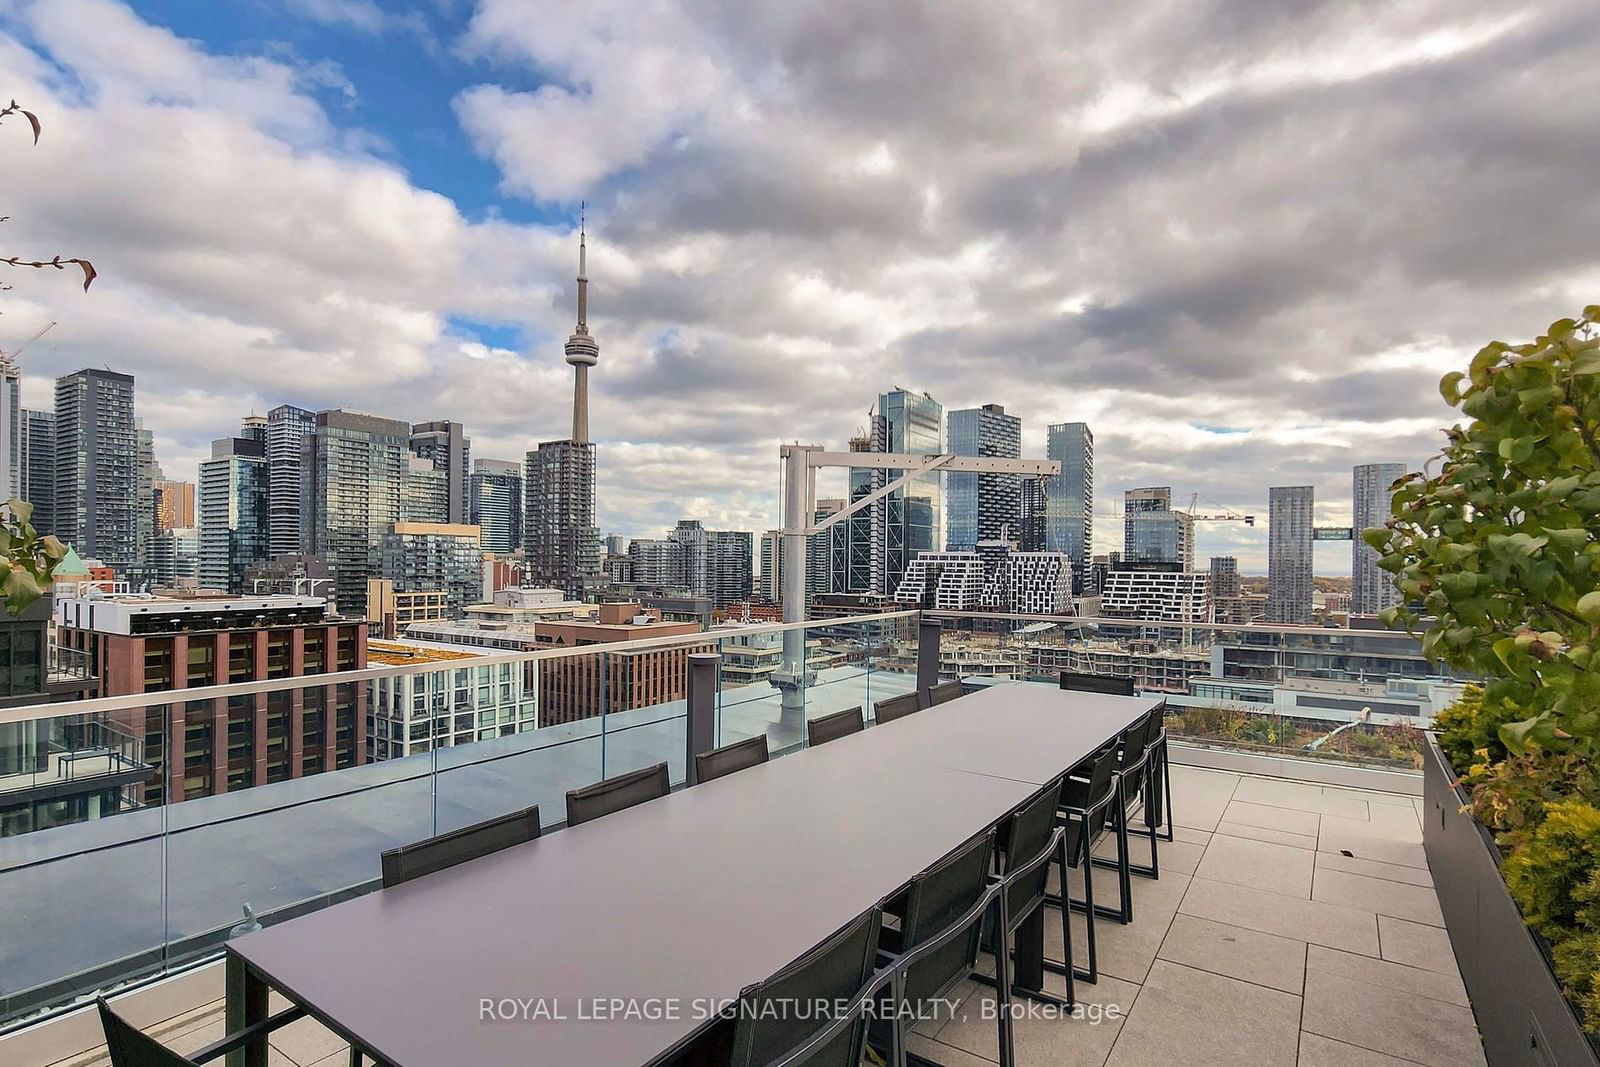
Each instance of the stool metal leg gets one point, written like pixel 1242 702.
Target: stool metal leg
pixel 1124 912
pixel 1002 981
pixel 1166 786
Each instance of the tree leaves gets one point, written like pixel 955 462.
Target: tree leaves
pixel 89 273
pixel 1589 607
pixel 1499 554
pixel 33 120
pixel 28 559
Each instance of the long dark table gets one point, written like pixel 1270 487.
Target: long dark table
pixel 677 904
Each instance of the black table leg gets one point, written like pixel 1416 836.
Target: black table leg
pixel 247 1005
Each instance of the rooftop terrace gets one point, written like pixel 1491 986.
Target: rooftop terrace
pixel 1293 924
pixel 1291 916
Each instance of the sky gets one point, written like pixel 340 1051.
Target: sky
pixel 1241 240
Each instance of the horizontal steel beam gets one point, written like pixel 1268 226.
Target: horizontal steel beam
pixel 947 462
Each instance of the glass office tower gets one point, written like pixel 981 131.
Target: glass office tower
pixel 1069 496
pixel 983 507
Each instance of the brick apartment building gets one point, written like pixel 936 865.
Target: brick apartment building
pixel 580 687
pixel 144 644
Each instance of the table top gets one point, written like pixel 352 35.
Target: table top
pixel 1031 733
pixel 672 907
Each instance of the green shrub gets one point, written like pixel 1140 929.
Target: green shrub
pixel 1497 560
pixel 1512 796
pixel 1261 731
pixel 1469 729
pixel 1554 876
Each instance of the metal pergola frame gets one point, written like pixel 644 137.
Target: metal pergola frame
pixel 800 466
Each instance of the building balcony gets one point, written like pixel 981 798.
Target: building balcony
pixel 69 665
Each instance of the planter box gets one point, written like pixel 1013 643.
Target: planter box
pixel 1521 1013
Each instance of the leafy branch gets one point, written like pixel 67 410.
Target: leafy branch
pixel 58 262
pixel 1498 557
pixel 32 559
pixel 89 273
pixel 33 120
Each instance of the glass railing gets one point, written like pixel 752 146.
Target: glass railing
pixel 69 663
pixel 65 769
pixel 1349 695
pixel 139 832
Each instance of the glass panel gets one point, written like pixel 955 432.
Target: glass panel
pixel 1360 696
pixel 836 669
pixel 542 738
pixel 284 809
pixel 751 692
pixel 132 841
pixel 889 655
pixel 78 913
pixel 647 707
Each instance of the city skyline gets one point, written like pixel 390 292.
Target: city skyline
pixel 372 246
pixel 440 451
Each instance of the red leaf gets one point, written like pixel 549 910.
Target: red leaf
pixel 89 273
pixel 33 120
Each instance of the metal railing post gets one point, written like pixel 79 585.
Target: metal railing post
pixel 928 631
pixel 701 730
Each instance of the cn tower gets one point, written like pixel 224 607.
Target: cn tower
pixel 583 351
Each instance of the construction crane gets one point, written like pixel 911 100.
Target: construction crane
pixel 1224 515
pixel 8 360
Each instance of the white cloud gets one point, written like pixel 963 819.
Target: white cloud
pixel 625 78
pixel 1167 217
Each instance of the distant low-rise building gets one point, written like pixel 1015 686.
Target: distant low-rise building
pixel 1237 610
pixel 1359 653
pixel 619 679
pixel 1386 702
pixel 390 611
pixel 748 656
pixel 507 623
pixel 457 704
pixel 503 572
pixel 293 574
pixel 527 606
pixel 1335 607
pixel 1153 667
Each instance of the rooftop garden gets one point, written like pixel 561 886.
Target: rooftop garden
pixel 1498 558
